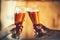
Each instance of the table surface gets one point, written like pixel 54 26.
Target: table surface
pixel 52 35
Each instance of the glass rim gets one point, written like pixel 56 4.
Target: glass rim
pixel 18 10
pixel 32 10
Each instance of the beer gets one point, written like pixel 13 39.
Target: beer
pixel 19 17
pixel 34 16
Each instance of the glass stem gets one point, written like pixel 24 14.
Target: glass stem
pixel 18 31
pixel 38 32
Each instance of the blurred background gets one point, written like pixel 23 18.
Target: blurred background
pixel 49 15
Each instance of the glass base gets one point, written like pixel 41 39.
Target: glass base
pixel 39 31
pixel 38 35
pixel 13 37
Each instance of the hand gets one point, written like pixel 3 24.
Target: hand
pixel 11 28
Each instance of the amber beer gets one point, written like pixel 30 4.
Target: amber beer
pixel 19 17
pixel 34 15
pixel 18 22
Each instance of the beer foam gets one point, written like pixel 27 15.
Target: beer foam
pixel 32 10
pixel 18 10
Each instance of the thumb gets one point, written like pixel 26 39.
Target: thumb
pixel 10 27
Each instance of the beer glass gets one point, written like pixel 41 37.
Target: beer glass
pixel 19 17
pixel 34 16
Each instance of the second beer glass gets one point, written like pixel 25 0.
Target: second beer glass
pixel 34 16
pixel 19 17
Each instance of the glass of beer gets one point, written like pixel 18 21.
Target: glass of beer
pixel 34 16
pixel 19 17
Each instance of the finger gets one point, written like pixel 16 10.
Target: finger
pixel 11 26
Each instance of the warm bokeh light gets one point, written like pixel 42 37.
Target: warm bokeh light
pixel 48 15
